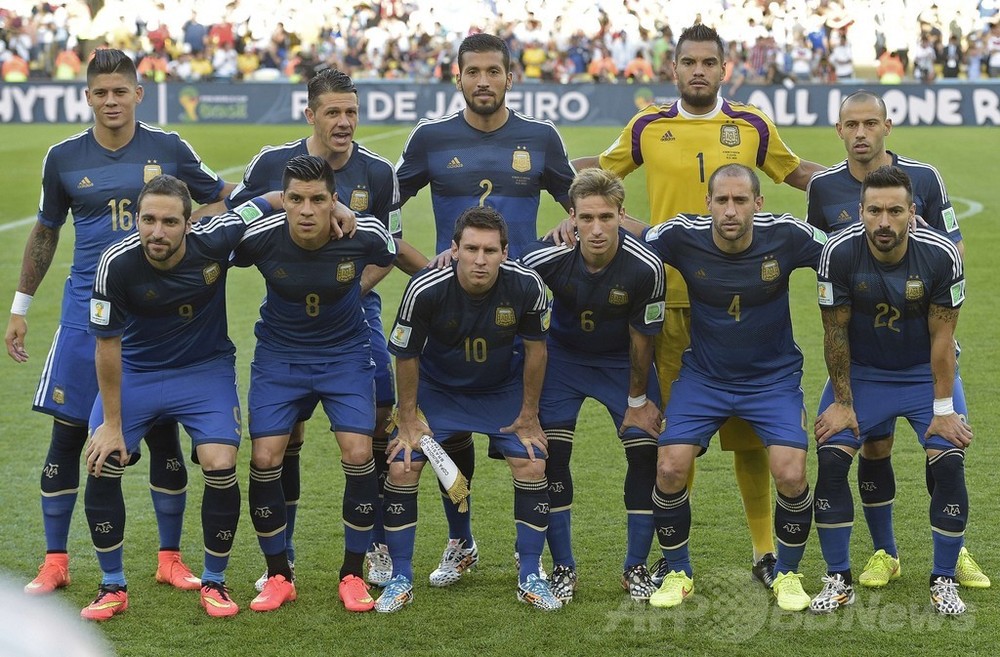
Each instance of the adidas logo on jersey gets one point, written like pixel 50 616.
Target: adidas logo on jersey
pixel 700 273
pixel 455 163
pixel 84 183
pixel 280 273
pixel 667 136
pixel 845 216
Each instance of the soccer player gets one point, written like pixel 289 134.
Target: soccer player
pixel 485 155
pixel 742 363
pixel 607 307
pixel 367 182
pixel 313 344
pixel 680 144
pixel 833 205
pixel 890 299
pixel 165 286
pixel 98 174
pixel 460 367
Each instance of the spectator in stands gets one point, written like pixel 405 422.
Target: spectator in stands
pixel 924 57
pixel 638 69
pixel 602 68
pixel 67 65
pixel 890 69
pixel 951 58
pixel 153 67
pixel 247 62
pixel 842 58
pixel 195 34
pixel 15 68
pixel 993 48
pixel 974 58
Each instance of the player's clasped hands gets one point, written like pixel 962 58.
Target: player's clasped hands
pixel 952 428
pixel 835 419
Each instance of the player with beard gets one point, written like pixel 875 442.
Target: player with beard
pixel 486 155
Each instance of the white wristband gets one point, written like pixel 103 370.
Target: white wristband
pixel 944 406
pixel 636 402
pixel 21 303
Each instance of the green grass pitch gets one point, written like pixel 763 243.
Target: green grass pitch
pixel 727 615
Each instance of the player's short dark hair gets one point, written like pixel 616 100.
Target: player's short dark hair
pixel 597 182
pixel 865 95
pixel 735 171
pixel 329 80
pixel 885 177
pixel 107 61
pixel 483 42
pixel 700 32
pixel 308 168
pixel 166 185
pixel 482 217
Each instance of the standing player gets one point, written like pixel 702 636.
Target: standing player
pixel 607 306
pixel 460 367
pixel 159 315
pixel 485 155
pixel 367 182
pixel 890 300
pixel 833 205
pixel 312 345
pixel 680 144
pixel 97 175
pixel 742 363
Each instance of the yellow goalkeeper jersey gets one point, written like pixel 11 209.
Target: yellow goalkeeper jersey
pixel 680 151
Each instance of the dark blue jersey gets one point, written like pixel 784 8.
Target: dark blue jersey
pixel 834 197
pixel 888 331
pixel 312 310
pixel 367 183
pixel 101 187
pixel 592 311
pixel 506 169
pixel 741 328
pixel 174 318
pixel 464 342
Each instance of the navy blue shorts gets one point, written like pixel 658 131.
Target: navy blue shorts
pixel 68 385
pixel 696 410
pixel 877 404
pixel 202 398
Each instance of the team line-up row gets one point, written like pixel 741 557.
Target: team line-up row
pixel 475 336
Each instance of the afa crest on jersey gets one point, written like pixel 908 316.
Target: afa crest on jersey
pixel 618 297
pixel 521 161
pixel 769 270
pixel 505 316
pixel 151 171
pixel 211 273
pixel 359 200
pixel 914 290
pixel 729 135
pixel 345 272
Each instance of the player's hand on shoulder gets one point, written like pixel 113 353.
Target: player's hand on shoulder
pixel 441 260
pixel 563 233
pixel 952 428
pixel 17 329
pixel 835 419
pixel 343 221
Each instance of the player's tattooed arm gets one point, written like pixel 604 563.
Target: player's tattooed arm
pixel 840 414
pixel 38 255
pixel 941 323
pixel 837 352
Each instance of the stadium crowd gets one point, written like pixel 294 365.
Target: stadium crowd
pixel 607 41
